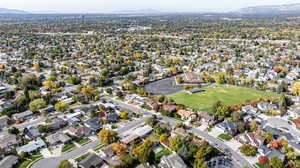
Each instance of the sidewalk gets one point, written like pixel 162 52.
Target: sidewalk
pixel 233 144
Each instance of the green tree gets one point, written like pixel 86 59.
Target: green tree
pixel 215 106
pixel 204 151
pixel 199 163
pixel 151 121
pixel 107 136
pixel 65 164
pixel 124 115
pixel 220 79
pixel 236 116
pixel 176 143
pixel 144 152
pixel 23 155
pixel 61 106
pixel 223 110
pixel 248 150
pixel 37 104
pixel 275 162
pixel 283 104
pixel 268 136
pixel 14 131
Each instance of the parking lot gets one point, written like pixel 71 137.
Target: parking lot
pixel 163 87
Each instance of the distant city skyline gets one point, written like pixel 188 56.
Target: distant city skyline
pixel 110 6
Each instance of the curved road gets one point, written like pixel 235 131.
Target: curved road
pixel 239 160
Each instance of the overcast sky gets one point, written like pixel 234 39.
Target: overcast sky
pixel 104 6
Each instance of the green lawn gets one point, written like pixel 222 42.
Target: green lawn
pixel 259 165
pixel 83 141
pixel 68 147
pixel 80 158
pixel 228 94
pixel 225 137
pixel 24 164
pixel 98 148
pixel 31 160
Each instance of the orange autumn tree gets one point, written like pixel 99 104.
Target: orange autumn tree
pixel 120 150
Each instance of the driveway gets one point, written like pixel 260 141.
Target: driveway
pixel 54 161
pixel 238 159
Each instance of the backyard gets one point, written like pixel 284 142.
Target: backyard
pixel 228 94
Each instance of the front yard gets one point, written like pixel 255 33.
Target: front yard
pixel 83 141
pixel 68 147
pixel 225 137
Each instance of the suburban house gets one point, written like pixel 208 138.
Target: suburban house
pixel 270 153
pixel 172 161
pixel 107 151
pixel 94 124
pixel 192 78
pixel 169 108
pixel 294 111
pixel 266 106
pixel 58 138
pixel 250 138
pixel 179 131
pixel 249 109
pixel 112 117
pixel 128 139
pixel 48 109
pixel 9 161
pixel 57 123
pixel 229 127
pixel 207 118
pixel 80 132
pixel 92 161
pixel 135 134
pixel 184 114
pixel 3 122
pixel 144 165
pixel 113 161
pixel 31 133
pixel 7 141
pixel 32 146
pixel 22 116
pixel 219 162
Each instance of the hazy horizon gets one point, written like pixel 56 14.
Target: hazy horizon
pixel 109 6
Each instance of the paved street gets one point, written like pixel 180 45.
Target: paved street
pixel 239 160
pixel 31 123
pixel 54 161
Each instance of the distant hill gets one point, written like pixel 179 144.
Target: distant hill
pixel 272 9
pixel 12 11
pixel 139 11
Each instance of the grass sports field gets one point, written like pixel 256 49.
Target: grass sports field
pixel 227 94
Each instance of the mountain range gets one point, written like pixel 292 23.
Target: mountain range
pixel 269 9
pixel 272 9
pixel 12 11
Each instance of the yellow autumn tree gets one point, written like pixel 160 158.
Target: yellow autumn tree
pixel 296 88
